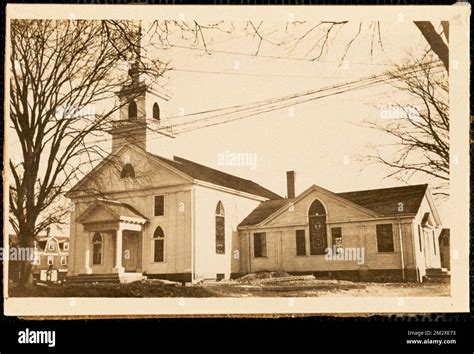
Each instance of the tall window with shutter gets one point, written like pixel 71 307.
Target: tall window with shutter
pixel 159 205
pixel 220 229
pixel 336 233
pixel 159 245
pixel 97 243
pixel 385 238
pixel 300 243
pixel 259 244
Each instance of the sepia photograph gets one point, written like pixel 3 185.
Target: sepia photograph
pixel 216 160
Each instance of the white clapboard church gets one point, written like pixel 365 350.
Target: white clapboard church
pixel 138 214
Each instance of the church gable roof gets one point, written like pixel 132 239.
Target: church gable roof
pixel 207 174
pixel 188 169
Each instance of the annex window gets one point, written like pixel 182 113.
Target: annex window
pixel 317 228
pixel 97 243
pixel 220 229
pixel 259 244
pixel 156 111
pixel 336 233
pixel 385 238
pixel 159 205
pixel 132 111
pixel 159 245
pixel 63 260
pixel 127 171
pixel 300 243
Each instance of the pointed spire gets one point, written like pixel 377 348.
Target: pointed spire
pixel 134 71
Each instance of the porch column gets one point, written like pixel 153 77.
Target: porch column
pixel 118 252
pixel 87 253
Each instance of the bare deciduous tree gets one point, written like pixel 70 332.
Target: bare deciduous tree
pixel 61 72
pixel 419 128
pixel 320 34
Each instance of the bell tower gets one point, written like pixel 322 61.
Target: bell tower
pixel 131 127
pixel 139 122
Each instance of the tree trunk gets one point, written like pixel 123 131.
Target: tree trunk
pixel 26 268
pixel 435 40
pixel 26 275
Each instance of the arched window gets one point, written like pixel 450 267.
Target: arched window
pixel 132 111
pixel 156 111
pixel 220 229
pixel 317 228
pixel 159 245
pixel 317 208
pixel 97 248
pixel 127 171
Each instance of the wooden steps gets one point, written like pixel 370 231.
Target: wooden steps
pixel 93 278
pixel 437 275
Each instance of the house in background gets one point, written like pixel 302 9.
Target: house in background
pixel 137 214
pixel 51 253
pixel 445 249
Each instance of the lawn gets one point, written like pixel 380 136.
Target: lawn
pixel 319 288
pixel 137 289
pixel 244 287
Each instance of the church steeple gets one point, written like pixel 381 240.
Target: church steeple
pixel 134 73
pixel 139 109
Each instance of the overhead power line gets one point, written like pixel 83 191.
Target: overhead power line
pixel 252 74
pixel 268 109
pixel 207 50
pixel 304 93
pixel 238 112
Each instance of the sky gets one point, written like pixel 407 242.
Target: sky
pixel 322 140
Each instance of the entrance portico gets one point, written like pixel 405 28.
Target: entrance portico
pixel 113 230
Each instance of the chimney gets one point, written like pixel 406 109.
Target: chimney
pixel 290 184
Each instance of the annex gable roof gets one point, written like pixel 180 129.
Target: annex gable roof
pixel 377 202
pixel 389 201
pixel 268 211
pixel 264 210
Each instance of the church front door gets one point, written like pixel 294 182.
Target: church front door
pixel 130 251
